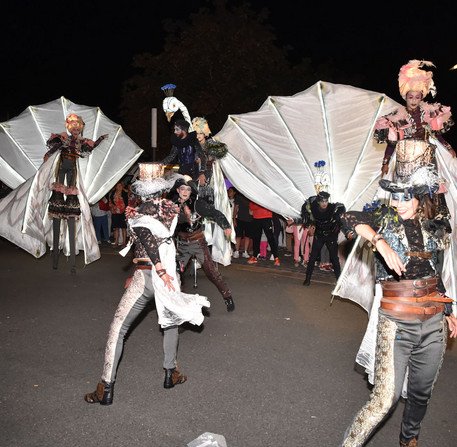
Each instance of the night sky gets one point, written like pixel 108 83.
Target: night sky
pixel 83 50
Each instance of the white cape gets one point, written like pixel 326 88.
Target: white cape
pixel 173 307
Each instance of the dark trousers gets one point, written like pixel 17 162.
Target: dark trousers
pixel 265 225
pixel 199 249
pixel 401 343
pixel 101 226
pixel 332 245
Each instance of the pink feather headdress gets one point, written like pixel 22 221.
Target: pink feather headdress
pixel 412 78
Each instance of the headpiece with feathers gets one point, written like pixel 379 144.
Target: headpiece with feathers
pixel 412 78
pixel 152 182
pixel 424 181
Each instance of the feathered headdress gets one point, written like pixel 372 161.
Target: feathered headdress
pixel 412 78
pixel 151 181
pixel 321 177
pixel 423 181
pixel 200 125
pixel 72 118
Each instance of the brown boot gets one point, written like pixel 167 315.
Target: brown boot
pixel 173 377
pixel 103 395
pixel 412 443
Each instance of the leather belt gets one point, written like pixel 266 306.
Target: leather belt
pixel 419 254
pixel 143 267
pixel 142 262
pixel 435 297
pixel 418 296
pixel 431 309
pixel 409 288
pixel 189 237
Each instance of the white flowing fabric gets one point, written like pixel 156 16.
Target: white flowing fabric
pixel 173 307
pixel 23 212
pixel 447 168
pixel 221 250
pixel 23 145
pixel 24 216
pixel 272 151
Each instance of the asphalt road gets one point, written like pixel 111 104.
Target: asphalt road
pixel 279 371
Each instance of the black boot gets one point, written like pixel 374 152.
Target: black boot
pixel 307 281
pixel 173 377
pixel 230 304
pixel 103 395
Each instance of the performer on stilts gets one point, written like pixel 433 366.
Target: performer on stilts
pixel 64 202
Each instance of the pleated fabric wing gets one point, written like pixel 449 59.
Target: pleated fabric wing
pixel 272 151
pixel 23 212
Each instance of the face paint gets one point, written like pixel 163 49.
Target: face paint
pixel 400 197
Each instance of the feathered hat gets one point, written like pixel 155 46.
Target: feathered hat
pixel 413 78
pixel 200 125
pixel 321 177
pixel 185 180
pixel 423 181
pixel 151 181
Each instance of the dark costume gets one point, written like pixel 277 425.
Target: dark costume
pixel 191 240
pixel 187 151
pixel 59 207
pixel 411 328
pixel 214 150
pixel 328 224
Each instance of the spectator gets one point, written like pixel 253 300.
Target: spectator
pixel 242 222
pixel 100 211
pixel 118 201
pixel 262 221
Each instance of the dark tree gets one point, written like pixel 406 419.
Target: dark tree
pixel 224 60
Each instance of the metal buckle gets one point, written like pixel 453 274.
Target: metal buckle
pixel 416 286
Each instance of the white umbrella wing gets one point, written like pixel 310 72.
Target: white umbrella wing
pixel 23 213
pixel 272 151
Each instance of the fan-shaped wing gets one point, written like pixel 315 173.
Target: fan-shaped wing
pixel 272 151
pixel 23 213
pixel 23 145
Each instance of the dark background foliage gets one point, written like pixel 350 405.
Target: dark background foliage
pixel 225 57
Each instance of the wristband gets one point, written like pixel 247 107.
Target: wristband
pixel 375 239
pixel 161 272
